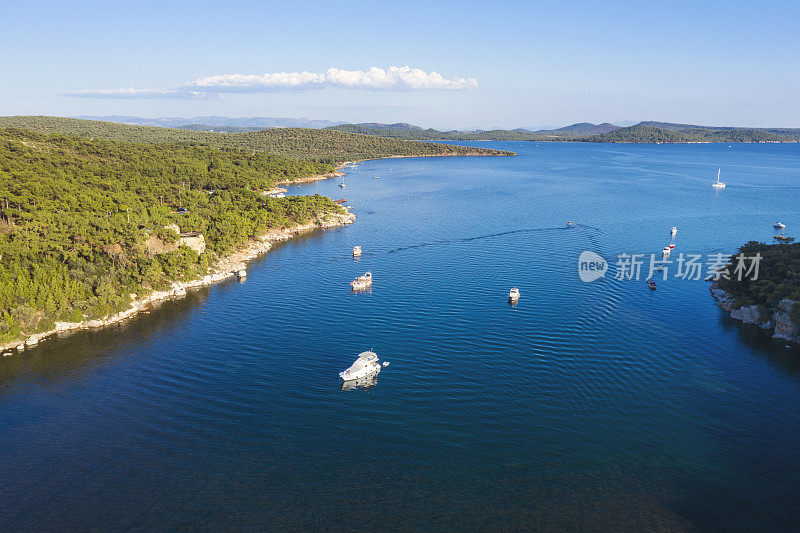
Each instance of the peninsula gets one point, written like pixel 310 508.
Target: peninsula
pixel 94 226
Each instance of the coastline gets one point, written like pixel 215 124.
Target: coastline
pixel 226 267
pixel 338 172
pixel 314 177
pixel 776 321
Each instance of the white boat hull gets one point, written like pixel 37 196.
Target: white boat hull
pixel 361 373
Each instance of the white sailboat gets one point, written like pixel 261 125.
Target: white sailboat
pixel 718 184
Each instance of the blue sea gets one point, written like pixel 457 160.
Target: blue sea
pixel 586 406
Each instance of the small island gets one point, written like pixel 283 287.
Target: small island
pixel 772 301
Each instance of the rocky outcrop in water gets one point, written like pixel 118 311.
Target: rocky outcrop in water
pixel 778 321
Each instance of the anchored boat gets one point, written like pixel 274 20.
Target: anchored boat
pixel 779 225
pixel 356 251
pixel 365 365
pixel 513 294
pixel 718 184
pixel 362 282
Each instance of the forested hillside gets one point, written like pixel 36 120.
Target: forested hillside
pixel 310 144
pixel 82 221
pixel 778 276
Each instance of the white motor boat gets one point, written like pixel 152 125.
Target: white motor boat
pixel 362 282
pixel 779 225
pixel 363 383
pixel 356 251
pixel 513 294
pixel 718 184
pixel 365 365
pixel 673 231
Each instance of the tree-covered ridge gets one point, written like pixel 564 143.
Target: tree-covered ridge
pixel 410 132
pixel 645 132
pixel 651 134
pixel 83 222
pixel 778 276
pixel 301 143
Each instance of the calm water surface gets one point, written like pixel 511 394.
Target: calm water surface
pixel 586 406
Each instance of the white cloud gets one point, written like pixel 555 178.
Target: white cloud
pixel 371 79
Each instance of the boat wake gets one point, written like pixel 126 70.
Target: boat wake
pixel 492 235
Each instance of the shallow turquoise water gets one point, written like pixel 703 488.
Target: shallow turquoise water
pixel 599 405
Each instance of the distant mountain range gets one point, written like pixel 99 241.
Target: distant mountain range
pixel 218 123
pixel 402 130
pixel 625 132
pixel 643 132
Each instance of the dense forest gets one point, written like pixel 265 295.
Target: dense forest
pixel 301 143
pixel 83 222
pixel 778 276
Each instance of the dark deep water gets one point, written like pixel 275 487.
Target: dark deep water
pixel 587 406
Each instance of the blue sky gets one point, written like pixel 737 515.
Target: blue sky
pixel 515 64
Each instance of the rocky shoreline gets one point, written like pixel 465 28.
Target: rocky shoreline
pixel 226 267
pixel 776 321
pixel 314 177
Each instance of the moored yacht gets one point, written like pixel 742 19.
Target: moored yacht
pixel 365 365
pixel 718 184
pixel 513 294
pixel 356 251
